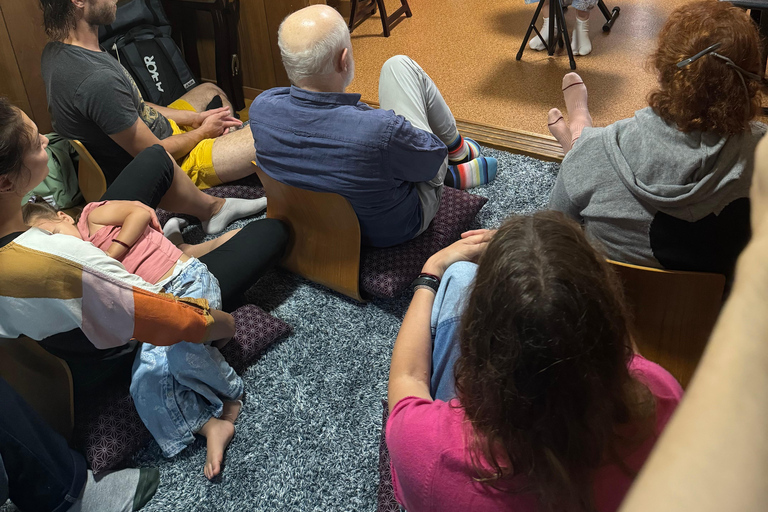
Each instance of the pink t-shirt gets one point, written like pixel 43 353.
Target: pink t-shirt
pixel 150 257
pixel 431 470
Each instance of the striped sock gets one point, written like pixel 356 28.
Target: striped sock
pixel 462 150
pixel 474 173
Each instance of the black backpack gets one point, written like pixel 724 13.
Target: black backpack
pixel 140 39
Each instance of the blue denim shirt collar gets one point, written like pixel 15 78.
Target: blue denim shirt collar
pixel 328 98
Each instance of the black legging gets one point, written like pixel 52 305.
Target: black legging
pixel 237 264
pixel 240 261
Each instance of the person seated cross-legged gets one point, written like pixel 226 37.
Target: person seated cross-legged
pixel 514 384
pixel 391 164
pixel 92 98
pixel 669 188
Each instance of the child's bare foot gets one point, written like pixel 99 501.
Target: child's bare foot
pixel 559 129
pixel 575 93
pixel 218 434
pixel 231 410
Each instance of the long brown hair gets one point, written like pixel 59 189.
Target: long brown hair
pixel 542 375
pixel 707 95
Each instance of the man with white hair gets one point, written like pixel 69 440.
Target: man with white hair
pixel 389 163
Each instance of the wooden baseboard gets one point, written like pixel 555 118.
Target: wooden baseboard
pixel 535 145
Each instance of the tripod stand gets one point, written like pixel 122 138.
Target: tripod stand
pixel 557 17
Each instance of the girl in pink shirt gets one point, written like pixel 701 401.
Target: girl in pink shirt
pixel 206 391
pixel 514 384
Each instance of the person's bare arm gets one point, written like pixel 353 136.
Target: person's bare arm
pixel 409 372
pixel 191 118
pixel 133 220
pixel 139 137
pixel 181 117
pixel 713 455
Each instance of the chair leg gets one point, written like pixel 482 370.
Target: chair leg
pixel 610 16
pixel 352 9
pixel 384 19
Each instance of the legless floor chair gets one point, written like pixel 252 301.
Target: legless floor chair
pixel 324 245
pixel 89 175
pixel 42 379
pixel 674 313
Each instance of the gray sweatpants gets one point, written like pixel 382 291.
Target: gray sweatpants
pixel 408 90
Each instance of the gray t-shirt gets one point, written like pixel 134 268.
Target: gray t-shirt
pixel 90 97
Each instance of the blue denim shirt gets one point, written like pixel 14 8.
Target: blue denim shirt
pixel 332 142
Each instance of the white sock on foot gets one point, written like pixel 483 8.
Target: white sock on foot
pixel 232 210
pixel 580 43
pixel 172 230
pixel 536 43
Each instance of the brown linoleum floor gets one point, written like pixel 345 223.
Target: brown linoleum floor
pixel 468 47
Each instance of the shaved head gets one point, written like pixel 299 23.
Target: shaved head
pixel 312 41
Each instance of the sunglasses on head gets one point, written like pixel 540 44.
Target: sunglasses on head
pixel 741 71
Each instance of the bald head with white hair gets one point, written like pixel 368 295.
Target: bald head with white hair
pixel 316 49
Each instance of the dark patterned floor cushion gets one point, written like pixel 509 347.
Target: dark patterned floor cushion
pixel 387 272
pixel 115 431
pixel 386 494
pixel 256 331
pixel 246 188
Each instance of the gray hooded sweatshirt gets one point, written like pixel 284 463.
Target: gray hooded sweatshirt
pixel 652 195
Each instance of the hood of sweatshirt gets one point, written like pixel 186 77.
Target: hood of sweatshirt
pixel 680 174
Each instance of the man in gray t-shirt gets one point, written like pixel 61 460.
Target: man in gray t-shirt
pixel 89 106
pixel 92 98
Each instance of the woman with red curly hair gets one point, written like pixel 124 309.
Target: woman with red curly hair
pixel 514 384
pixel 669 187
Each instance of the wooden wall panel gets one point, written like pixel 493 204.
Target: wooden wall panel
pixel 24 22
pixel 256 46
pixel 11 85
pixel 260 60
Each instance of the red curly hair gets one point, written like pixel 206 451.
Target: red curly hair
pixel 707 95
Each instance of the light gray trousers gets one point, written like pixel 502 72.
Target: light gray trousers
pixel 408 90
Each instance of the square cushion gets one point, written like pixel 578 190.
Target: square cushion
pixel 115 431
pixel 386 495
pixel 386 272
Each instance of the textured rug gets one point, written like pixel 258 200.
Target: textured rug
pixel 308 436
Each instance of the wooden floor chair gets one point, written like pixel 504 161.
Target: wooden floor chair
pixel 42 379
pixel 324 244
pixel 674 313
pixel 89 175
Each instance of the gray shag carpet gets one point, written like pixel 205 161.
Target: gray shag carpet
pixel 308 436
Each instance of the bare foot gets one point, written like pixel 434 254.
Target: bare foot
pixel 559 129
pixel 231 410
pixel 575 93
pixel 218 434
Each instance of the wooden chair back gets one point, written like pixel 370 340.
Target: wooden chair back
pixel 42 379
pixel 89 175
pixel 673 314
pixel 324 244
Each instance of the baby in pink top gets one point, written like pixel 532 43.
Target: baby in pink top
pixel 128 232
pixel 205 389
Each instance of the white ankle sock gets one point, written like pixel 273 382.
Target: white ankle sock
pixel 536 43
pixel 172 230
pixel 580 43
pixel 232 210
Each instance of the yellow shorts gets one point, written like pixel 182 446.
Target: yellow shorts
pixel 198 164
